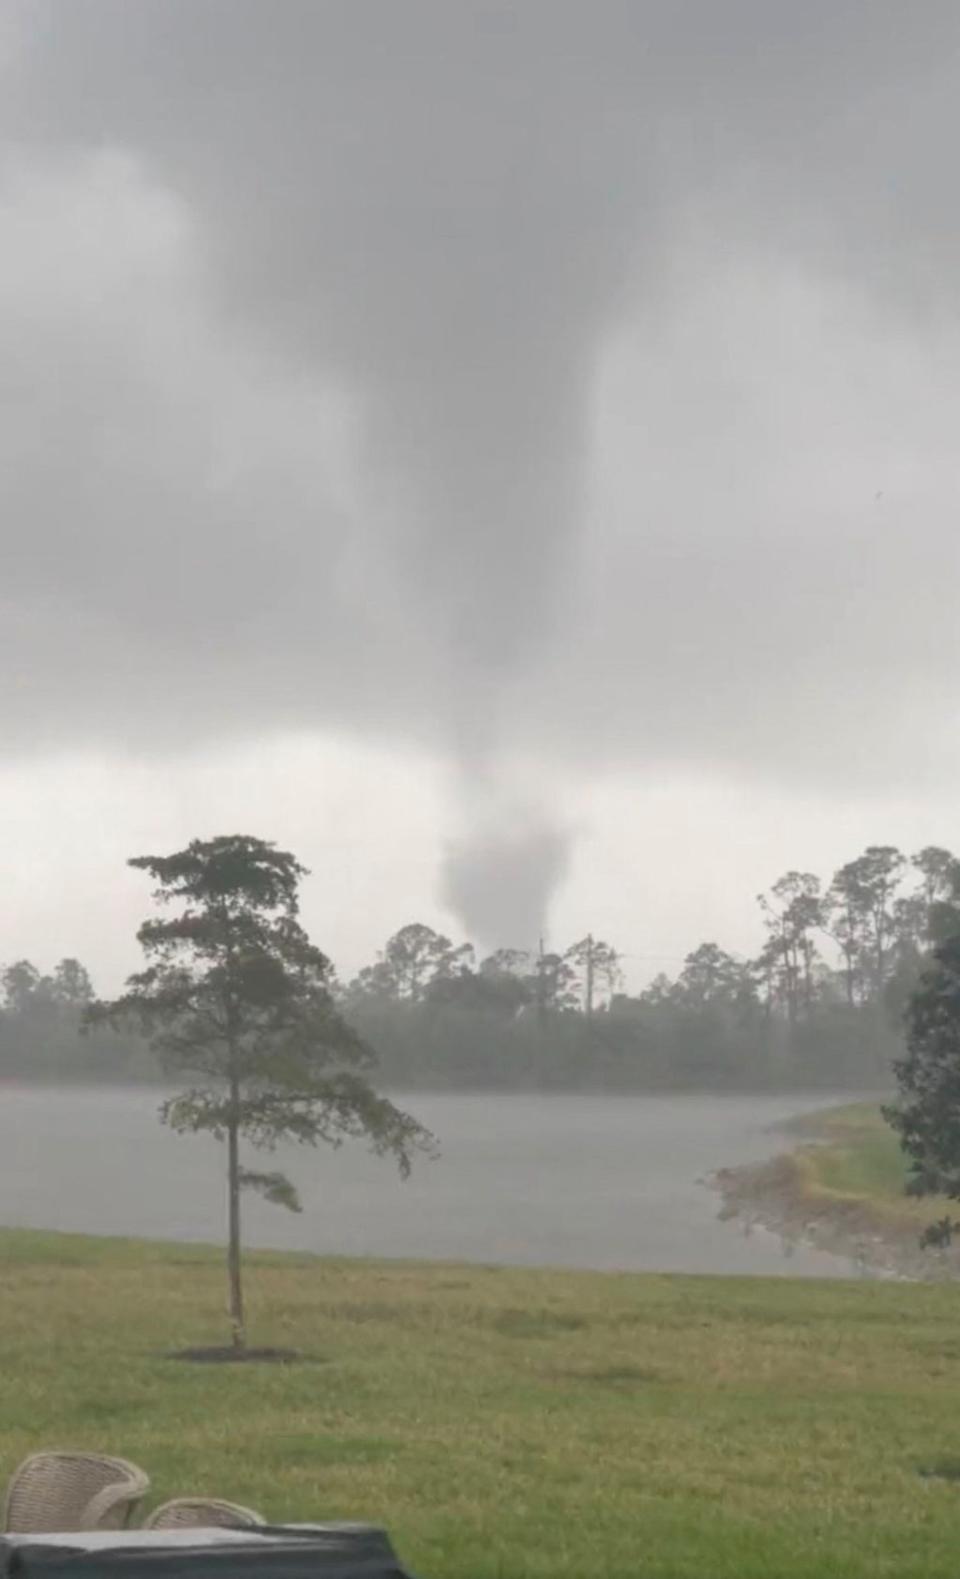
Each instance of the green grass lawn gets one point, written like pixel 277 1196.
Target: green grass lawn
pixel 510 1423
pixel 858 1163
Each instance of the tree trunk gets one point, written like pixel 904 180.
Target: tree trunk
pixel 790 974
pixel 234 1269
pixel 848 960
pixel 588 985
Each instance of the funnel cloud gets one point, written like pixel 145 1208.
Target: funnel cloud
pixel 562 383
pixel 499 875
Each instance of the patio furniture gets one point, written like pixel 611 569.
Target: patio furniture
pixel 192 1513
pixel 72 1491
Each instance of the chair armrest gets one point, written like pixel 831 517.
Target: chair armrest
pixel 111 1508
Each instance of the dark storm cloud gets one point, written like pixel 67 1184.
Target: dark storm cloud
pixel 434 218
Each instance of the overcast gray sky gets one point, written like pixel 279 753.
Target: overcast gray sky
pixel 505 451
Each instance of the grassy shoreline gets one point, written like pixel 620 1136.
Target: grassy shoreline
pixel 841 1188
pixel 512 1424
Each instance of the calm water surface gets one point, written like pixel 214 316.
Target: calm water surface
pixel 533 1180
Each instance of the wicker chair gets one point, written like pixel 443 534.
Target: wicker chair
pixel 190 1513
pixel 72 1491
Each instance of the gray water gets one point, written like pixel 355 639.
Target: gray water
pixel 571 1181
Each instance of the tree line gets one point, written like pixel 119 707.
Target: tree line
pixel 820 1005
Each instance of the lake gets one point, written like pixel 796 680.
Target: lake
pixel 568 1181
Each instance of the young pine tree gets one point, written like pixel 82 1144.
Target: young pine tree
pixel 236 997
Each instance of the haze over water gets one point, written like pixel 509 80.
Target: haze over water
pixel 572 1181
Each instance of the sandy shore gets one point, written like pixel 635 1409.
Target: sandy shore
pixel 774 1195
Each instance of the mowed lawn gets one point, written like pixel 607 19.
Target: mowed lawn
pixel 857 1165
pixel 507 1423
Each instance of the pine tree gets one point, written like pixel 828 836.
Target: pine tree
pixel 236 997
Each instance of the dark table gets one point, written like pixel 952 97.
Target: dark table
pixel 290 1551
